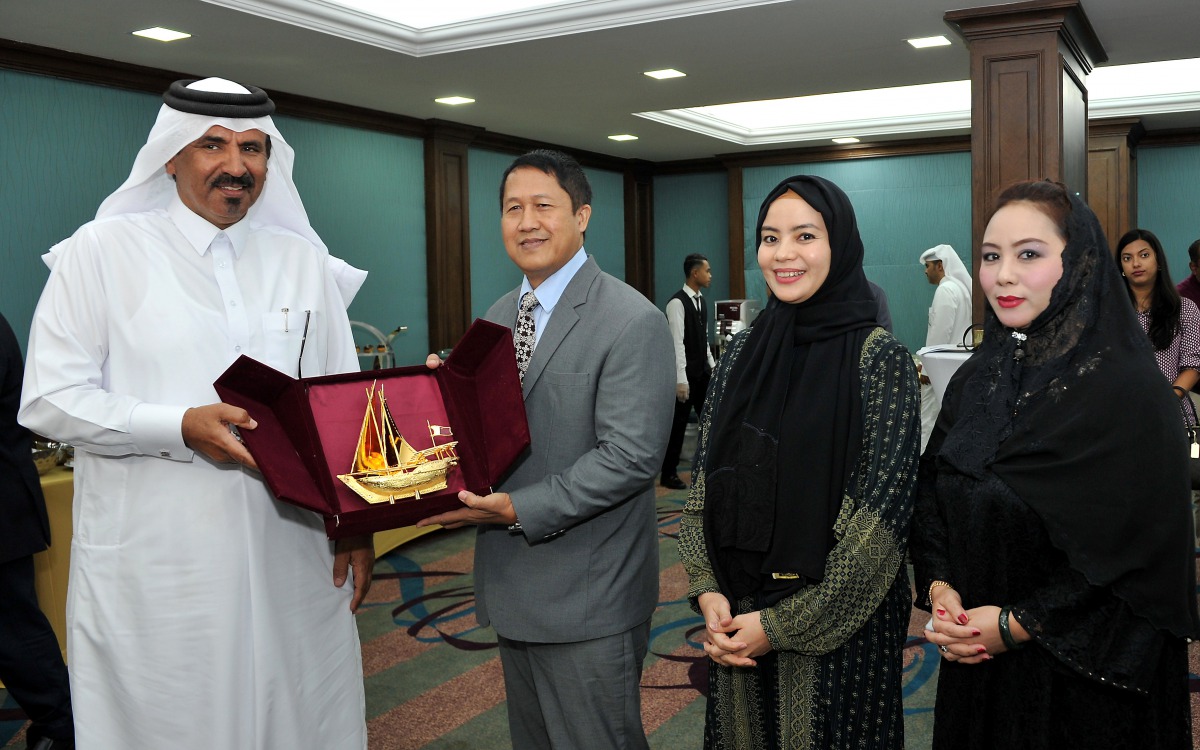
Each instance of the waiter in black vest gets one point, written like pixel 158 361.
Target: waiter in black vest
pixel 687 315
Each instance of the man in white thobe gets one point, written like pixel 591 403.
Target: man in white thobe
pixel 202 613
pixel 949 318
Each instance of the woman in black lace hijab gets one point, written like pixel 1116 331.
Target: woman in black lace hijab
pixel 1053 534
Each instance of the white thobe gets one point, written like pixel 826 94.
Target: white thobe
pixel 949 319
pixel 201 611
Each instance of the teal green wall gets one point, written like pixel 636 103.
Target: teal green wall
pixel 365 195
pixel 65 146
pixel 606 229
pixel 1168 183
pixel 904 206
pixel 492 273
pixel 690 216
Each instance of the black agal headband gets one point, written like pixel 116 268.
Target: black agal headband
pixel 218 103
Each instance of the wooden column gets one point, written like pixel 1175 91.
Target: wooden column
pixel 1112 174
pixel 447 231
pixel 1029 67
pixel 737 239
pixel 639 227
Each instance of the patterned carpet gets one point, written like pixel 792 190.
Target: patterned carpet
pixel 433 678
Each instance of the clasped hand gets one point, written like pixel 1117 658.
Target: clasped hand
pixel 731 641
pixel 970 636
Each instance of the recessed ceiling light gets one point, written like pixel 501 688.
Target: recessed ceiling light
pixel 665 73
pixel 845 140
pixel 454 100
pixel 623 137
pixel 929 41
pixel 160 34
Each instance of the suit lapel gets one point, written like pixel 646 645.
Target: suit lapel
pixel 562 320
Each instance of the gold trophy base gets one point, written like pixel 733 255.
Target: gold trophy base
pixel 375 495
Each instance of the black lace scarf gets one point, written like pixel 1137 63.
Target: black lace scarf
pixel 1071 413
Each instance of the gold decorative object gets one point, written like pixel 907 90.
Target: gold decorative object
pixel 386 468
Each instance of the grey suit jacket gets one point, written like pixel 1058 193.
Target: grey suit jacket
pixel 599 394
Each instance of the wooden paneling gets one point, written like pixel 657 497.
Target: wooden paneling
pixel 639 228
pixel 1112 174
pixel 447 232
pixel 1074 131
pixel 737 253
pixel 1029 66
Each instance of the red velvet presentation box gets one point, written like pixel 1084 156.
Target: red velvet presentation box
pixel 308 429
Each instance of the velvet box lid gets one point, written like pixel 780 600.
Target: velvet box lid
pixel 308 429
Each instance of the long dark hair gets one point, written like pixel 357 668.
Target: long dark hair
pixel 1164 300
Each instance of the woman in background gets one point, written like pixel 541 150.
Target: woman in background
pixel 1172 322
pixel 795 530
pixel 1052 537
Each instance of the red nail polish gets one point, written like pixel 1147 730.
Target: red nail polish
pixel 974 631
pixel 980 649
pixel 963 618
pixel 942 612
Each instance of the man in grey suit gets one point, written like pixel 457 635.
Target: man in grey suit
pixel 566 559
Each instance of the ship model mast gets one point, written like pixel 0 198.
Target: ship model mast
pixel 386 467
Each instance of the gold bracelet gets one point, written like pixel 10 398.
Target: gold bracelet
pixel 929 595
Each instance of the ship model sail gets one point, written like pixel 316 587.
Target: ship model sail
pixel 386 467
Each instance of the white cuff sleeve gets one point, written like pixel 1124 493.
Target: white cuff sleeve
pixel 157 430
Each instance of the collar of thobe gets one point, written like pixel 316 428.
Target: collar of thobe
pixel 953 283
pixel 200 233
pixel 551 290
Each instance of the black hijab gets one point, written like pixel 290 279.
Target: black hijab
pixel 788 431
pixel 1079 425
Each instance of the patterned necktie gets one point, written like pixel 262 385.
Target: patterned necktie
pixel 523 336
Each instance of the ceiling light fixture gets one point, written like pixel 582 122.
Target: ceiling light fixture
pixel 929 41
pixel 454 100
pixel 160 34
pixel 847 139
pixel 623 137
pixel 665 73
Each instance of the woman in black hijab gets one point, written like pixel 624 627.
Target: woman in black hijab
pixel 794 534
pixel 1053 537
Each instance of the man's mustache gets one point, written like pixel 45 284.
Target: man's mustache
pixel 228 180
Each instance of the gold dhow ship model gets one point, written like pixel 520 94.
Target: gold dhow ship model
pixel 386 468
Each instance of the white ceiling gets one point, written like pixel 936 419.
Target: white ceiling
pixel 584 82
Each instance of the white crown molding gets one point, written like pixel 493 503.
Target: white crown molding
pixel 1135 106
pixel 520 26
pixel 704 124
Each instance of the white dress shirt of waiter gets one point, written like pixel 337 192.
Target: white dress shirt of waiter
pixel 949 318
pixel 202 612
pixel 694 361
